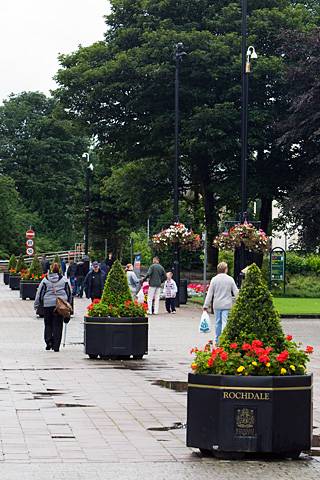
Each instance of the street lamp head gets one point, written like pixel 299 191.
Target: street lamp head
pixel 251 53
pixel 85 155
pixel 90 167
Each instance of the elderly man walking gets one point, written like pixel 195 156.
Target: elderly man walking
pixel 222 290
pixel 156 275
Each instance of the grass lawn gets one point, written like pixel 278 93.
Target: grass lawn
pixel 288 306
pixel 298 306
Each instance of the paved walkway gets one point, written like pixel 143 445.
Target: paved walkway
pixel 65 416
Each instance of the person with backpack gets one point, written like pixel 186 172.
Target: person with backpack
pixel 53 286
pixel 156 275
pixel 94 282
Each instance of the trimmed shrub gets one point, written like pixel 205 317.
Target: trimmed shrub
pixel 21 264
pixel 253 315
pixel 116 289
pixel 35 267
pixel 12 263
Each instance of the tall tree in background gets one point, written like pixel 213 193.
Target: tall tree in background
pixel 123 90
pixel 41 151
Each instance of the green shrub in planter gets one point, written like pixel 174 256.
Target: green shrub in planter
pixel 21 265
pixel 12 263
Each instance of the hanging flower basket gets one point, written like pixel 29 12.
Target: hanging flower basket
pixel 179 234
pixel 253 239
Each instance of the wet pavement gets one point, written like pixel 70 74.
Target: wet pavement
pixel 65 416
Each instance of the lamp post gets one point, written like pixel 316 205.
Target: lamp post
pixel 89 168
pixel 179 54
pixel 247 55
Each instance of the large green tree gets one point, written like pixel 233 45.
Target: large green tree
pixel 41 151
pixel 122 88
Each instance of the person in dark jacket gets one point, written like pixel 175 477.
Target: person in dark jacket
pixel 94 282
pixel 63 266
pixel 109 261
pixel 52 286
pixel 156 275
pixel 71 274
pixel 45 264
pixel 80 276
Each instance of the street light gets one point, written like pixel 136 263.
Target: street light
pixel 89 168
pixel 248 54
pixel 179 54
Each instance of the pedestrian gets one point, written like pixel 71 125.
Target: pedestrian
pixel 71 274
pixel 109 261
pixel 45 264
pixel 80 276
pixel 63 266
pixel 94 282
pixel 223 291
pixel 156 275
pixel 52 286
pixel 170 292
pixel 133 281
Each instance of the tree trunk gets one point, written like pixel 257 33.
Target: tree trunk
pixel 265 213
pixel 211 220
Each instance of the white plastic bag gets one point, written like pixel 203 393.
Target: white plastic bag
pixel 140 296
pixel 205 323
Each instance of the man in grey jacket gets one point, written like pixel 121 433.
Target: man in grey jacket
pixel 223 290
pixel 156 275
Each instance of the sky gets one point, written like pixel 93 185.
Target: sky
pixel 34 32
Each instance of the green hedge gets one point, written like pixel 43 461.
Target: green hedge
pixel 303 264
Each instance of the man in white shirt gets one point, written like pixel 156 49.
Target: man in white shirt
pixel 223 290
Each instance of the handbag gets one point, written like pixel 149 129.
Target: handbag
pixel 63 308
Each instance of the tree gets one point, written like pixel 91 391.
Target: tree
pixel 116 290
pixel 123 90
pixel 301 135
pixel 41 150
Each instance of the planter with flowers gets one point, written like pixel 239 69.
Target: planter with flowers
pixel 177 234
pixel 11 267
pixel 15 273
pixel 30 280
pixel 116 326
pixel 252 393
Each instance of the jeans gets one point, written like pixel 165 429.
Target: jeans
pixel 221 317
pixel 170 305
pixel 79 289
pixel 153 294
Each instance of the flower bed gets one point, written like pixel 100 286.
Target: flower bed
pixel 128 308
pixel 177 234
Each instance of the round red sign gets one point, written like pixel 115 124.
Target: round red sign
pixel 30 234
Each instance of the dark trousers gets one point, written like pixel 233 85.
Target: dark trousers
pixel 53 325
pixel 80 282
pixel 170 305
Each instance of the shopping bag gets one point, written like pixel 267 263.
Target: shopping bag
pixel 140 296
pixel 205 323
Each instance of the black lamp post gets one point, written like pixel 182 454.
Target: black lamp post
pixel 179 53
pixel 247 55
pixel 89 168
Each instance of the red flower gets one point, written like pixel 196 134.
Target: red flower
pixel 210 362
pixel 257 343
pixel 268 350
pixel 309 349
pixel 127 303
pixel 259 350
pixel 264 359
pixel 289 338
pixel 283 356
pixel 224 356
pixel 246 347
pixel 90 307
pixel 96 301
pixel 234 346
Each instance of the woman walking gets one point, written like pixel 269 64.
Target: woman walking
pixel 133 281
pixel 52 286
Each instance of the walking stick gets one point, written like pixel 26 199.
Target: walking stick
pixel 65 335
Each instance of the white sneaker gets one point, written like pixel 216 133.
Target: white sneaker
pixel 174 312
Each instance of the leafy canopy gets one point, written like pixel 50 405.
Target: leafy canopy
pixel 253 315
pixel 116 289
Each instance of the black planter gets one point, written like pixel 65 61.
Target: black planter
pixel 28 289
pixel 6 276
pixel 111 337
pixel 250 414
pixel 14 282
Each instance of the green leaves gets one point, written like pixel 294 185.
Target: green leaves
pixel 116 289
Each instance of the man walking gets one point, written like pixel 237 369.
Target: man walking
pixel 223 290
pixel 94 282
pixel 156 275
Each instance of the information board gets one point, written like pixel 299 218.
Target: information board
pixel 278 265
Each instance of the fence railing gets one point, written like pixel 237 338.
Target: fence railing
pixel 64 254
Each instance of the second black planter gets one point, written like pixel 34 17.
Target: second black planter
pixel 6 276
pixel 28 289
pixel 112 337
pixel 14 282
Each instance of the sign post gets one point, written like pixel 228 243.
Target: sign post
pixel 137 264
pixel 278 266
pixel 30 235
